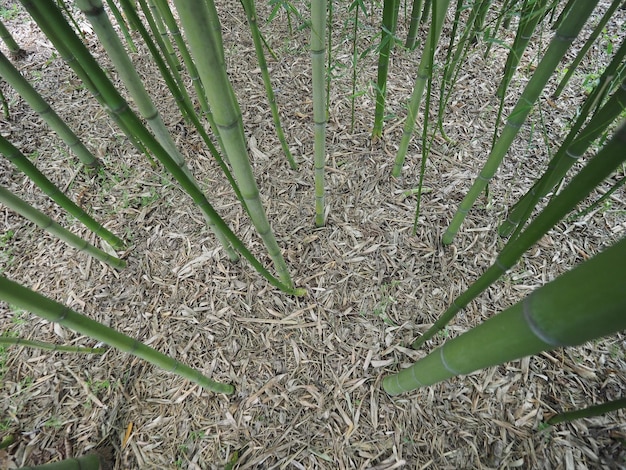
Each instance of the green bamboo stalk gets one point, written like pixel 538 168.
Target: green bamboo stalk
pixel 68 12
pixel 122 24
pixel 152 13
pixel 387 41
pixel 587 302
pixel 205 49
pixel 570 151
pixel 424 71
pixel 329 61
pixel 503 20
pixel 426 11
pixel 43 109
pixel 94 11
pixel 172 25
pixel 523 208
pixel 24 298
pixel 478 23
pixel 597 203
pixel 597 169
pixel 557 48
pixel 589 412
pixel 569 6
pixel 86 462
pixel 29 169
pixel 532 13
pixel 15 50
pixel 56 28
pixel 583 50
pixel 416 13
pixel 251 14
pixel 168 67
pixel 355 5
pixel 46 223
pixel 175 84
pixel 40 16
pixel 49 346
pixel 318 48
pixel 453 61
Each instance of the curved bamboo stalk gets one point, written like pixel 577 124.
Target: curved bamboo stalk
pixel 598 168
pixel 318 50
pixel 248 6
pixel 24 164
pixel 46 223
pixel 46 308
pixel 585 303
pixel 29 343
pixel 424 71
pixel 208 56
pixel 557 48
pixel 94 11
pixel 45 112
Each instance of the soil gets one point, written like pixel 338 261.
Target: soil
pixel 307 370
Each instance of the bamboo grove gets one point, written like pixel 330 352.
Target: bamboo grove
pixel 186 42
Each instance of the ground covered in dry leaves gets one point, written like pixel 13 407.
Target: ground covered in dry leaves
pixel 307 370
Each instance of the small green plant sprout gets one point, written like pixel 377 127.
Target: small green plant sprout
pixel 386 301
pixel 53 422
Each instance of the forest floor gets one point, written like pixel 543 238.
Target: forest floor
pixel 307 370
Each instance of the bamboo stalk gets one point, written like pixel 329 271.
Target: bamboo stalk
pixel 567 155
pixel 585 303
pixel 46 223
pixel 15 50
pixel 26 299
pixel 24 164
pixel 589 412
pixel 387 40
pixel 251 14
pixel 43 109
pixel 424 71
pixel 318 48
pixel 175 84
pixel 40 12
pixel 27 343
pixel 599 167
pixel 86 462
pixel 416 13
pixel 208 56
pixel 170 21
pixel 57 28
pixel 557 48
pixel 590 42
